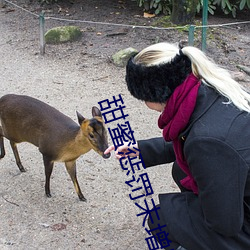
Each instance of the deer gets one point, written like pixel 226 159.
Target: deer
pixel 58 138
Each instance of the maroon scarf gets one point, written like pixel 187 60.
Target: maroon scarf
pixel 174 119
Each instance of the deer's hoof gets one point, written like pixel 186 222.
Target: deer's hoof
pixel 82 198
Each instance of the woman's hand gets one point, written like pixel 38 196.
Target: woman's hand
pixel 124 150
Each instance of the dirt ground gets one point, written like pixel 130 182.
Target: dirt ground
pixel 76 76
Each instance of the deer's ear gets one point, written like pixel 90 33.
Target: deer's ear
pixel 96 112
pixel 80 118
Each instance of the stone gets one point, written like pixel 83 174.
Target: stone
pixel 239 76
pixel 121 58
pixel 63 34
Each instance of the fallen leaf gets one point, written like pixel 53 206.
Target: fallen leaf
pixel 58 227
pixel 147 15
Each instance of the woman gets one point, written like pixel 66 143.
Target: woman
pixel 205 118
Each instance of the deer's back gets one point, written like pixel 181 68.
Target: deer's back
pixel 24 118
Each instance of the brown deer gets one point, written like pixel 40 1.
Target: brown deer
pixel 59 138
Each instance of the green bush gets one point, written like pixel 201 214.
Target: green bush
pixel 232 6
pixel 165 6
pixel 211 7
pixel 156 6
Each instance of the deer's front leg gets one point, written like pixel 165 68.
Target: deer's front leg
pixel 71 168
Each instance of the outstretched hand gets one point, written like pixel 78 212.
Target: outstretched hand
pixel 124 150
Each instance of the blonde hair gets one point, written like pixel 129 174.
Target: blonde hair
pixel 202 67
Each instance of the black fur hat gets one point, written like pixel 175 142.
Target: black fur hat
pixel 156 83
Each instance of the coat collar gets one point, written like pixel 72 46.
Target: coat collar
pixel 205 99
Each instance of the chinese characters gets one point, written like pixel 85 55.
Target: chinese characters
pixel 137 180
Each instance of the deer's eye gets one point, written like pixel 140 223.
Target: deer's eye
pixel 91 136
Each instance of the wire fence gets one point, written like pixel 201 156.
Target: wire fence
pixel 191 28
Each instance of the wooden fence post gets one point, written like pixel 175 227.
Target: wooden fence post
pixel 2 3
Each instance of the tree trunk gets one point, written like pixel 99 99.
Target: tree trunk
pixel 183 11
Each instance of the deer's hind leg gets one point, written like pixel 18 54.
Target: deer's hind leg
pixel 71 168
pixel 16 154
pixel 1 144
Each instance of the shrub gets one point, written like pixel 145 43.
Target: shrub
pixel 165 6
pixel 157 6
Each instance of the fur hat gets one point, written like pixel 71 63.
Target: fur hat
pixel 156 83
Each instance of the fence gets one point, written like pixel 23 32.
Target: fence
pixel 191 28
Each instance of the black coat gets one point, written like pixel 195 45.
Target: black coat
pixel 217 150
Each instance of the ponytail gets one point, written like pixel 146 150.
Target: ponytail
pixel 218 78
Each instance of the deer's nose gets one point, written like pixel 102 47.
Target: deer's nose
pixel 106 156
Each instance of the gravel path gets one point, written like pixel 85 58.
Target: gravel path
pixel 69 79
